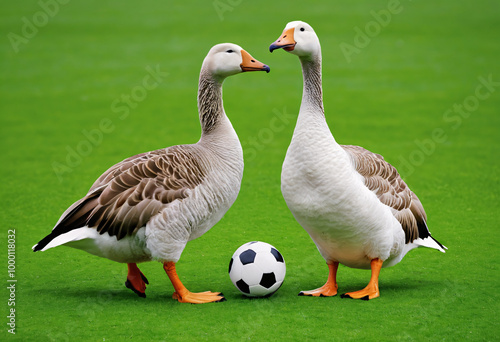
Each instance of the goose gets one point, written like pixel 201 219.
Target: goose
pixel 149 206
pixel 353 204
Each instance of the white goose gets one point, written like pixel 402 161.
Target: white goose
pixel 149 206
pixel 354 205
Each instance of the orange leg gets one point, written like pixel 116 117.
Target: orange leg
pixel 136 281
pixel 330 287
pixel 371 290
pixel 183 295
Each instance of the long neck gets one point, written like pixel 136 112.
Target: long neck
pixel 210 105
pixel 312 95
pixel 217 132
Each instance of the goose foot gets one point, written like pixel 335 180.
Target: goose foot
pixel 136 281
pixel 365 294
pixel 371 290
pixel 326 290
pixel 200 297
pixel 330 287
pixel 183 295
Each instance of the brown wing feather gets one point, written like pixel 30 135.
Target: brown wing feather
pixel 127 195
pixel 384 180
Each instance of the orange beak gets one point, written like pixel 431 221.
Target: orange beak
pixel 285 42
pixel 251 64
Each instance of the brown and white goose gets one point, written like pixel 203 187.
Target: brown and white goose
pixel 354 205
pixel 149 206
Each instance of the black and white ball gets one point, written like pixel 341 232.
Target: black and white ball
pixel 257 269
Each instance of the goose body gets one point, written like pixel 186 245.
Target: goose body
pixel 149 206
pixel 207 186
pixel 354 205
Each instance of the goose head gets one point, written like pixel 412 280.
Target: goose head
pixel 227 59
pixel 299 39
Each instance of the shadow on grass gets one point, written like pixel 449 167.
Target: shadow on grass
pixel 397 288
pixel 93 296
pixel 101 296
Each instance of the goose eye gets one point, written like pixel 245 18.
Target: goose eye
pixel 302 29
pixel 229 51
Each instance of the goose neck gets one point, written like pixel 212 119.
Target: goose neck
pixel 210 107
pixel 217 132
pixel 312 95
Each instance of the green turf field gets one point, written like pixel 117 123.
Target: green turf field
pixel 417 81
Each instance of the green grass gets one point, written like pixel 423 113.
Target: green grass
pixel 391 96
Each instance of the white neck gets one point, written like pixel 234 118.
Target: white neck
pixel 312 94
pixel 312 116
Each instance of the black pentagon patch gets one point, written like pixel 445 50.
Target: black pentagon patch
pixel 268 280
pixel 230 265
pixel 243 286
pixel 247 257
pixel 277 255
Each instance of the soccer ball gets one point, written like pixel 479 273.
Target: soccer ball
pixel 257 269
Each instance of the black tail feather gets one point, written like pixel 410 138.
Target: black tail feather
pixel 78 217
